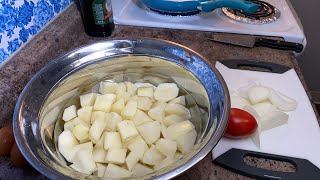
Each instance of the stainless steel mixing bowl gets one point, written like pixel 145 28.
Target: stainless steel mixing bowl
pixel 37 117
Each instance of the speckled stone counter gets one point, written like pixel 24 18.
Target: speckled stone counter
pixel 66 32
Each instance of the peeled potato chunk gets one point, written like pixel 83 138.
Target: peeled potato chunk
pixel 114 171
pixel 70 124
pixel 131 88
pixel 145 91
pixel 140 118
pixel 97 129
pixel 83 162
pixel 97 115
pixel 144 103
pixel 118 106
pixel 127 130
pixel 116 156
pixel 112 119
pixel 87 99
pixel 167 147
pixel 185 143
pixel 176 130
pixel 107 87
pixel 66 142
pixel 104 102
pixel 129 110
pixel 152 156
pixel 132 159
pixel 166 92
pixel 179 100
pixel 81 131
pixel 172 119
pixel 101 169
pixel 141 170
pixel 112 140
pixel 150 131
pixel 69 113
pixel 139 146
pixel 179 110
pixel 85 113
pixel 158 111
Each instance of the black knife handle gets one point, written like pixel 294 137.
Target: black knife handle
pixel 239 63
pixel 233 161
pixel 278 44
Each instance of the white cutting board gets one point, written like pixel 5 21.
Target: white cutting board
pixel 299 138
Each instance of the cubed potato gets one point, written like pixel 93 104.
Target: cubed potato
pixel 131 88
pixel 127 130
pixel 157 112
pixel 118 106
pixel 164 131
pixel 116 156
pixel 83 162
pixel 107 87
pixel 69 113
pixel 114 171
pixel 176 130
pixel 97 115
pixel 167 147
pixel 152 156
pixel 70 124
pixel 87 139
pixel 179 100
pixel 87 99
pixel 129 110
pixel 86 146
pixel 85 113
pixel 132 159
pixel 141 170
pixel 81 131
pixel 164 163
pixel 104 102
pixel 101 169
pixel 97 129
pixel 112 140
pixel 144 103
pixel 66 142
pixel 121 87
pixel 179 110
pixel 125 144
pixel 166 92
pixel 145 92
pixel 112 119
pixel 139 146
pixel 172 119
pixel 140 117
pixel 150 131
pixel 185 143
pixel 124 95
pixel 99 155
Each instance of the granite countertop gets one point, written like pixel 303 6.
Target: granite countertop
pixel 66 32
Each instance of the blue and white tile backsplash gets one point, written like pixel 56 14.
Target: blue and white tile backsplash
pixel 21 19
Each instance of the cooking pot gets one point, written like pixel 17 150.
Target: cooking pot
pixel 37 117
pixel 190 6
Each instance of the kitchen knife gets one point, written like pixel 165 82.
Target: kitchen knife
pixel 251 41
pixel 233 161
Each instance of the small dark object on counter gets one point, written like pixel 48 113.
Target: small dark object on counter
pixel 97 17
pixel 16 157
pixel 6 140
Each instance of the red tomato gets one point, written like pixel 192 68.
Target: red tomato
pixel 241 124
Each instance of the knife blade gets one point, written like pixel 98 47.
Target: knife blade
pixel 251 41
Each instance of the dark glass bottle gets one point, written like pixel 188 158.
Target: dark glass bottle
pixel 97 17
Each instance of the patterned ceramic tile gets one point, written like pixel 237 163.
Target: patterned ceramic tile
pixel 21 19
